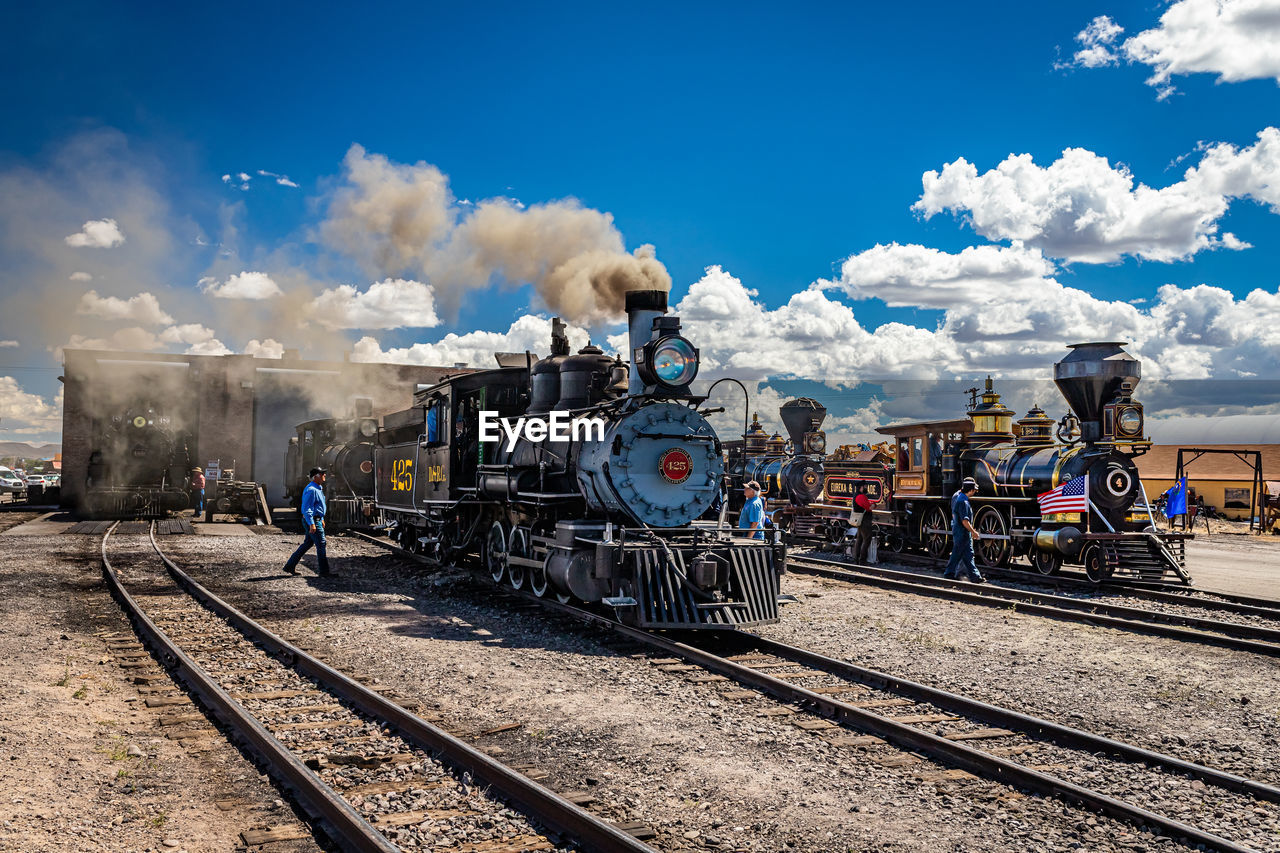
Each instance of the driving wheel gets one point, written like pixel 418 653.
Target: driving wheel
pixel 495 551
pixel 935 533
pixel 993 549
pixel 518 547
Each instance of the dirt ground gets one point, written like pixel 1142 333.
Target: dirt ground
pixel 84 764
pixel 707 772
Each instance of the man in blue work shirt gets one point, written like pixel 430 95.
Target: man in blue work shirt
pixel 963 534
pixel 752 515
pixel 313 524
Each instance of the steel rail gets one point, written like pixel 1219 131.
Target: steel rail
pixel 1171 593
pixel 542 805
pixel 957 754
pixel 967 758
pixel 338 818
pixel 1054 606
pixel 995 715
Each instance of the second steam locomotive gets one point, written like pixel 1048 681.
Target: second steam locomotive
pixel 1111 534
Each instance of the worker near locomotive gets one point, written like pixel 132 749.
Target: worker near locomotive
pixel 578 477
pixel 1052 493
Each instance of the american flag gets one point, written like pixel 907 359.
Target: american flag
pixel 1071 496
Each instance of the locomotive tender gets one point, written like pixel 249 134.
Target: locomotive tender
pixel 609 516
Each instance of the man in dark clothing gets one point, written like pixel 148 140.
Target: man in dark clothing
pixel 862 507
pixel 312 511
pixel 963 534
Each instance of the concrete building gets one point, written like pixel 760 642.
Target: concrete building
pixel 239 410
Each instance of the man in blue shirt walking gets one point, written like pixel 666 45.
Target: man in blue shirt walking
pixel 313 523
pixel 963 534
pixel 752 515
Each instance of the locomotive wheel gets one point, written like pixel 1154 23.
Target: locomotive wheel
pixel 495 551
pixel 894 542
pixel 835 532
pixel 519 547
pixel 1046 562
pixel 1095 564
pixel 938 542
pixel 992 552
pixel 538 583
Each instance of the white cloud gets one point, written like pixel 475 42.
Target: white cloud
pixel 476 349
pixel 27 416
pixel 388 304
pixel 143 308
pixel 200 339
pixel 269 348
pixel 1082 209
pixel 5 344
pixel 1096 43
pixel 128 339
pixel 97 234
pixel 920 276
pixel 282 180
pixel 244 285
pixel 80 276
pixel 1234 39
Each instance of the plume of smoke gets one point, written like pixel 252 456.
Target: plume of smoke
pixel 399 219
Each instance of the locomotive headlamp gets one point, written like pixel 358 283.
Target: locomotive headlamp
pixel 368 427
pixel 816 443
pixel 1129 421
pixel 671 361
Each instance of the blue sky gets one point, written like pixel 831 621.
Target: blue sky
pixel 771 142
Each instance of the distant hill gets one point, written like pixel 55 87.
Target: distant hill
pixel 21 448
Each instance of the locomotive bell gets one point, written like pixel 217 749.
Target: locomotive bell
pixel 1091 377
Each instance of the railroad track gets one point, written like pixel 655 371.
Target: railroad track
pixel 1261 635
pixel 900 723
pixel 371 774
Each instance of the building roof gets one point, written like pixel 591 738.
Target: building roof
pixel 1161 462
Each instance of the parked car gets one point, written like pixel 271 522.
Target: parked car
pixel 11 483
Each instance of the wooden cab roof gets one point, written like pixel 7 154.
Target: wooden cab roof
pixel 963 425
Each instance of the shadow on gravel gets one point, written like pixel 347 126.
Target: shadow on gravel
pixel 451 604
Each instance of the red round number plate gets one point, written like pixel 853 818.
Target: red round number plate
pixel 676 465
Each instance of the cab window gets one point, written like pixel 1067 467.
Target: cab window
pixel 917 453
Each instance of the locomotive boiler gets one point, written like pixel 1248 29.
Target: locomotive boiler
pixel 1110 531
pixel 140 464
pixel 344 448
pixel 607 515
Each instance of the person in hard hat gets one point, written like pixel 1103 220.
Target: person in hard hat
pixel 313 508
pixel 197 492
pixel 963 534
pixel 752 516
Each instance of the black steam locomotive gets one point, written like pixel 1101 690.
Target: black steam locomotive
pixel 609 515
pixel 1113 534
pixel 344 447
pixel 790 473
pixel 140 465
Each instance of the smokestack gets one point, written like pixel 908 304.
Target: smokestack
pixel 643 307
pixel 801 416
pixel 1090 377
